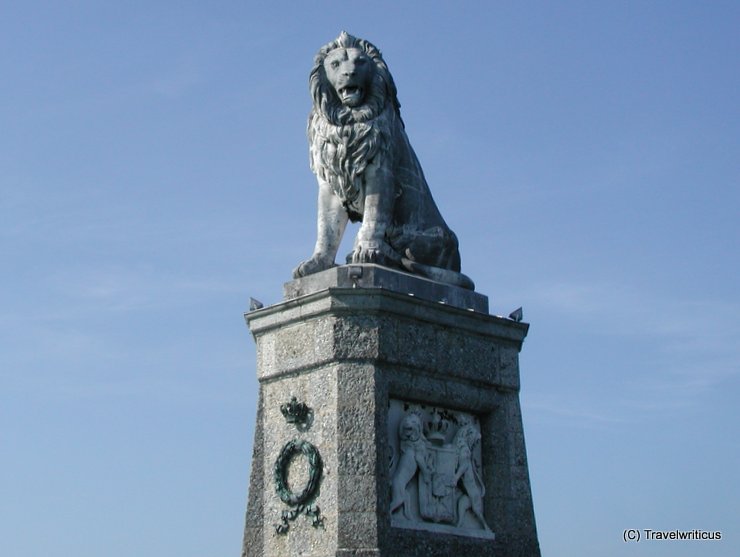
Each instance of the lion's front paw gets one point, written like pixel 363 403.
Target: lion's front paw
pixel 371 251
pixel 313 265
pixel 366 255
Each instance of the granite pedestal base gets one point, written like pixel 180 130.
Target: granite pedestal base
pixel 405 436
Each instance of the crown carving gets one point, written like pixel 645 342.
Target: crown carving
pixel 295 412
pixel 439 425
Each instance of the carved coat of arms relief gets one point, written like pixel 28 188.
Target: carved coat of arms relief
pixel 436 469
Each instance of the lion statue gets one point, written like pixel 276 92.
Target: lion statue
pixel 368 172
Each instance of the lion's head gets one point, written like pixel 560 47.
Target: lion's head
pixel 410 428
pixel 350 81
pixel 467 436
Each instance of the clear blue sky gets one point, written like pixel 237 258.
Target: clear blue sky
pixel 154 175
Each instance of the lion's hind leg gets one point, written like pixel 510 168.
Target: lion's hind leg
pixel 404 473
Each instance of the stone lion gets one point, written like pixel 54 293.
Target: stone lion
pixel 367 171
pixel 414 457
pixel 466 439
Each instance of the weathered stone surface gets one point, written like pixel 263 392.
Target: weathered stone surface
pixel 358 530
pixel 349 353
pixel 359 493
pixel 253 529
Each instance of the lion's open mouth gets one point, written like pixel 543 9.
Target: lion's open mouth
pixel 351 94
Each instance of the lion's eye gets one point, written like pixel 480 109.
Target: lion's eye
pixel 335 64
pixel 360 61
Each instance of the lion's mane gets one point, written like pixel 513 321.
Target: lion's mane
pixel 344 140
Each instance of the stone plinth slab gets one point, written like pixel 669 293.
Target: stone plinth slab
pixel 369 276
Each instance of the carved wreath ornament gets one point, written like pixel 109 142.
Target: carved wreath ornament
pixel 298 500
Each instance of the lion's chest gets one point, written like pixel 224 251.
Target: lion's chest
pixel 341 155
pixel 343 164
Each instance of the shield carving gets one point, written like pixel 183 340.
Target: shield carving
pixel 437 492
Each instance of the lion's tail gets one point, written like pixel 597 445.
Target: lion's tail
pixel 438 274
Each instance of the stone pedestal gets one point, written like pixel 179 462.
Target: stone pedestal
pixel 405 436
